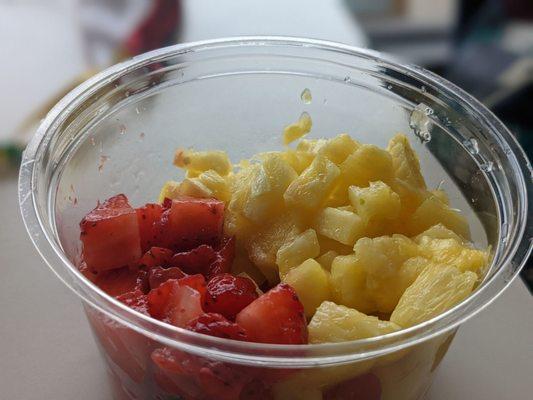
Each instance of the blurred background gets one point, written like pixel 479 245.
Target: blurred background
pixel 48 47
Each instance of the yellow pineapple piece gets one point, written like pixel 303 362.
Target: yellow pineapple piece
pixel 293 253
pixel 298 129
pixel 327 244
pixel 217 184
pixel 243 265
pixel 308 384
pixel 438 231
pixel 327 258
pixel 267 186
pixel 311 283
pixel 298 160
pixel 348 284
pixel 265 240
pixel 336 323
pixel 170 190
pixel 453 252
pixel 410 198
pixel 203 161
pixel 339 148
pixel 313 186
pixel 405 162
pixel 441 195
pixel 367 164
pixel 381 260
pixel 378 206
pixel 437 289
pixel 195 188
pixel 431 212
pixel 340 225
pixel 310 145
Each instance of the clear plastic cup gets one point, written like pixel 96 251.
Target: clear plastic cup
pixel 116 133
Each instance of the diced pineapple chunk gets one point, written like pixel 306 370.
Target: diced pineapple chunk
pixel 203 161
pixel 311 146
pixel 348 284
pixel 431 212
pixel 195 188
pixel 299 160
pixel 338 148
pixel 367 164
pixel 437 289
pixel 313 186
pixel 405 161
pixel 438 231
pixel 217 184
pixel 441 195
pixel 264 242
pixel 337 323
pixel 298 129
pixel 453 252
pixel 170 190
pixel 243 265
pixel 340 225
pixel 327 244
pixel 381 259
pixel 327 258
pixel 378 205
pixel 293 253
pixel 311 283
pixel 268 184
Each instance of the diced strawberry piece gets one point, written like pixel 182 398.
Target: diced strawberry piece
pixel 221 382
pixel 157 257
pixel 275 317
pixel 157 275
pixel 110 235
pixel 91 275
pixel 196 282
pixel 362 387
pixel 217 380
pixel 224 260
pixel 136 300
pixel 127 349
pixel 256 390
pixel 191 222
pixel 123 280
pixel 216 325
pixel 228 294
pixel 195 261
pixel 148 216
pixel 174 302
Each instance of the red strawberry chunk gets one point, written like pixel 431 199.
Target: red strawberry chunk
pixel 221 382
pixel 157 257
pixel 190 222
pixel 147 217
pixel 176 302
pixel 362 387
pixel 196 261
pixel 157 275
pixel 275 317
pixel 136 300
pixel 123 280
pixel 256 390
pixel 91 275
pixel 217 380
pixel 224 259
pixel 110 235
pixel 228 294
pixel 196 282
pixel 216 325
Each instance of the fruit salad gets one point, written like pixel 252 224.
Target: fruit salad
pixel 327 240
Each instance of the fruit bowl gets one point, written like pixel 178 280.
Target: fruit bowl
pixel 117 133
